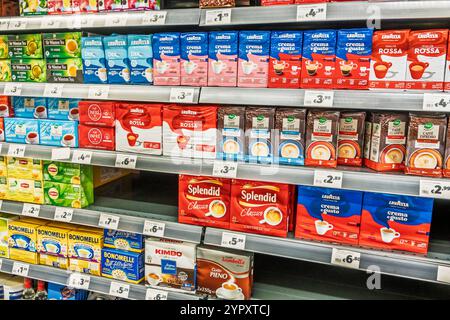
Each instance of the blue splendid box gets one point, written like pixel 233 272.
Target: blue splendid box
pixel 25 107
pixel 123 265
pixel 63 109
pixel 94 62
pixel 20 130
pixel 58 133
pixel 122 240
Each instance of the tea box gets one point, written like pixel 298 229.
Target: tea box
pixel 63 109
pixel 52 240
pixel 24 168
pixel 22 236
pixel 58 133
pixel 69 70
pixel 25 46
pixel 68 173
pixel 67 195
pixel 62 45
pixel 5 70
pixel 5 219
pixel 85 244
pixel 28 70
pixel 20 130
pixel 32 7
pixel 28 107
pixel 25 190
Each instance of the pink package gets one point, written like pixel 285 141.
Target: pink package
pixel 223 53
pixel 166 59
pixel 194 59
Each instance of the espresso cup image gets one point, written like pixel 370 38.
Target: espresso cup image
pixel 347 151
pixel 68 140
pixel 322 227
pixel 102 74
pixel 290 150
pixel 32 138
pixel 154 279
pixel 71 45
pixel 346 69
pixel 417 69
pixel 388 234
pixel 279 67
pixel 312 68
pixel 320 152
pixel 231 146
pixel 272 216
pixel 229 290
pixel 217 209
pixel 394 155
pixel 162 66
pixel 189 67
pixel 40 112
pixel 218 66
pixel 74 114
pixel 381 68
pixel 125 74
pixel 248 67
pixel 426 159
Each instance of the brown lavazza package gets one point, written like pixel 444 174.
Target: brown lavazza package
pixel 321 138
pixel 224 273
pixel 388 140
pixel 446 171
pixel 426 144
pixel 351 138
pixel 231 133
pixel 290 140
pixel 259 134
pixel 217 3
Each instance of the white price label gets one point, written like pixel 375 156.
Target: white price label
pixel 329 179
pixel 435 189
pixel 31 210
pixel 20 269
pixel 1 204
pixel 4 24
pixel 116 20
pixel 15 24
pixel 225 169
pixel 443 274
pixel 154 18
pixel 233 240
pixel 50 23
pixel 436 102
pixel 82 157
pixel 98 92
pixel 126 161
pixel 219 16
pixel 79 281
pixel 182 95
pixel 108 221
pixel 312 12
pixel 118 289
pixel 60 153
pixel 63 214
pixel 155 229
pixel 17 150
pixel 53 90
pixel 12 89
pixel 87 21
pixel 314 98
pixel 155 294
pixel 346 258
pixel 1 263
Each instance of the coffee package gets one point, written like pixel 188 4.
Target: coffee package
pixel 224 273
pixel 231 133
pixel 96 137
pixel 321 138
pixel 59 6
pixel 367 136
pixel 223 54
pixel 140 54
pixel 426 144
pixel 426 59
pixel 351 138
pixel 290 130
pixel 387 149
pixel 446 171
pixel 194 59
pixel 166 59
pixel 259 134
pixel 116 54
pixel 447 70
pixel 94 61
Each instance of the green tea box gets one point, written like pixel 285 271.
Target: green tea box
pixel 33 7
pixel 28 70
pixel 5 70
pixel 62 45
pixel 4 47
pixel 66 195
pixel 68 70
pixel 25 46
pixel 71 173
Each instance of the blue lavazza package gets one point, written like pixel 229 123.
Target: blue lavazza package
pixel 94 62
pixel 118 64
pixel 140 54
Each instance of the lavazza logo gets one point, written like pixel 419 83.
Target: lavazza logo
pixel 193 38
pixel 399 204
pixel 189 112
pixel 331 197
pixel 255 37
pixel 320 36
pixel 391 36
pixel 223 37
pixel 428 35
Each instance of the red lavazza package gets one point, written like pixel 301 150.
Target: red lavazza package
pixel 447 69
pixel 260 207
pixel 94 137
pixel 6 109
pixel 97 113
pixel 426 59
pixel 204 201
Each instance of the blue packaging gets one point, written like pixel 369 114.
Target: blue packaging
pixel 58 133
pixel 290 147
pixel 94 62
pixel 122 240
pixel 25 107
pixel 116 54
pixel 21 130
pixel 62 292
pixel 63 109
pixel 140 54
pixel 123 265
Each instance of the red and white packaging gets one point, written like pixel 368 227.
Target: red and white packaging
pixel 204 201
pixel 2 129
pixel 79 6
pixel 426 59
pixel 96 137
pixel 189 131
pixel 260 207
pixel 6 109
pixel 447 69
pixel 139 128
pixel 97 113
pixel 276 2
pixel 389 59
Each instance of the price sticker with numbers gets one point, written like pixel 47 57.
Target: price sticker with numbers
pixel 20 269
pixel 108 221
pixel 118 289
pixel 314 98
pixel 233 240
pixel 63 214
pixel 154 18
pixel 4 24
pixel 53 90
pixel 312 12
pixel 225 169
pixel 16 24
pixel 346 258
pixel 50 23
pixel 17 150
pixel 98 92
pixel 436 102
pixel 435 189
pixel 116 20
pixel 329 179
pixel 218 16
pixel 31 210
pixel 126 161
pixel 155 294
pixel 79 281
pixel 1 263
pixel 182 95
pixel 12 89
pixel 155 229
pixel 60 153
pixel 443 274
pixel 1 204
pixel 82 156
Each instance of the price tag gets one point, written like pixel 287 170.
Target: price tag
pixel 154 294
pixel 315 98
pixel 118 289
pixel 20 269
pixel 17 150
pixel 79 281
pixel 98 92
pixel 182 95
pixel 1 204
pixel 346 258
pixel 435 189
pixel 232 240
pixel 219 16
pixel 126 161
pixel 154 18
pixel 155 229
pixel 225 169
pixel 50 23
pixel 12 89
pixel 108 221
pixel 31 210
pixel 4 24
pixel 63 214
pixel 60 153
pixel 82 156
pixel 87 21
pixel 312 12
pixel 118 20
pixel 1 263
pixel 53 90
pixel 443 274
pixel 436 102
pixel 329 179
pixel 18 24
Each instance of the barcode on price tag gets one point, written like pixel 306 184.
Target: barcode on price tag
pixel 108 221
pixel 314 98
pixel 53 90
pixel 118 289
pixel 182 95
pixel 233 240
pixel 79 281
pixel 436 102
pixel 329 179
pixel 116 20
pixel 20 269
pixel 63 214
pixel 31 210
pixel 155 294
pixel 346 258
pixel 312 12
pixel 225 169
pixel 98 92
pixel 17 150
pixel 12 89
pixel 152 228
pixel 82 156
pixel 126 161
pixel 435 189
pixel 154 18
pixel 443 274
pixel 60 153
pixel 219 16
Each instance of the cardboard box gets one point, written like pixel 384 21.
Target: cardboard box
pixel 62 45
pixel 71 173
pixel 67 70
pixel 66 195
pixel 25 190
pixel 123 265
pixel 58 133
pixel 25 46
pixel 28 70
pixel 24 168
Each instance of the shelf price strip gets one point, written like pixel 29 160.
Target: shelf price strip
pixel 53 90
pixel 60 153
pixel 233 240
pixel 108 221
pixel 225 169
pixel 126 161
pixel 79 281
pixel 63 214
pixel 182 95
pixel 344 258
pixel 12 89
pixel 121 290
pixel 155 229
pixel 154 18
pixel 219 16
pixel 435 189
pixel 98 92
pixel 315 98
pixel 82 157
pixel 20 269
pixel 31 210
pixel 312 12
pixel 17 150
pixel 154 294
pixel 436 102
pixel 330 179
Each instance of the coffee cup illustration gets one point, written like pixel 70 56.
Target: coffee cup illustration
pixel 230 290
pixel 347 67
pixel 162 66
pixel 189 67
pixel 154 279
pixel 272 216
pixel 248 67
pixel 125 74
pixel 40 112
pixel 32 138
pixel 417 68
pixel 279 67
pixel 102 74
pixel 230 146
pixel 218 66
pixel 388 234
pixel 148 74
pixel 68 140
pixel 217 209
pixel 182 142
pixel 313 67
pixel 4 111
pixel 322 227
pixel 132 139
pixel 381 68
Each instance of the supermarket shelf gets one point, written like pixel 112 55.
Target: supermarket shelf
pixel 110 92
pixel 341 11
pixel 97 284
pixel 395 264
pixel 89 217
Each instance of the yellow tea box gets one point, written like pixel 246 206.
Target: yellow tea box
pixel 24 256
pixel 3 188
pixel 25 190
pixel 54 261
pixel 91 267
pixel 52 240
pixel 4 221
pixel 24 168
pixel 3 170
pixel 85 244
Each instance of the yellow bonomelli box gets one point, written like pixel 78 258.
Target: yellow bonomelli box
pixel 84 266
pixel 52 240
pixel 54 261
pixel 86 244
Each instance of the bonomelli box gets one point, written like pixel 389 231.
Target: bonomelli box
pixel 28 70
pixel 52 240
pixel 123 265
pixel 62 45
pixel 122 240
pixel 86 244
